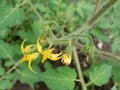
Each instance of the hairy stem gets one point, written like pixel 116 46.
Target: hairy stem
pixel 10 70
pixel 98 4
pixel 110 55
pixel 41 20
pixel 79 68
pixel 36 12
pixel 92 20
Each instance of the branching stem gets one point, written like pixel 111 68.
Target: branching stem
pixel 93 19
pixel 10 70
pixel 79 68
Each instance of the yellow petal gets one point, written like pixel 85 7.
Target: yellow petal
pixel 39 47
pixel 55 57
pixel 28 48
pixel 24 58
pixel 29 66
pixel 33 56
pixel 46 54
pixel 66 59
pixel 42 39
pixel 30 58
pixel 22 46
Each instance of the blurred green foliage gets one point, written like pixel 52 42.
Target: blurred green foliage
pixel 18 21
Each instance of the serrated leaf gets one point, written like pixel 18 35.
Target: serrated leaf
pixel 84 8
pixel 100 35
pixel 29 77
pixel 8 63
pixel 36 29
pixel 61 78
pixel 2 70
pixel 28 35
pixel 10 16
pixel 12 76
pixel 100 74
pixel 6 50
pixel 5 84
pixel 116 75
pixel 114 88
pixel 115 46
pixel 4 33
pixel 115 70
pixel 70 11
pixel 41 7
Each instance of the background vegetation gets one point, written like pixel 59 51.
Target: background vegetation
pixel 92 26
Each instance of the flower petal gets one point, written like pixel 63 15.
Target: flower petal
pixel 55 57
pixel 39 47
pixel 24 58
pixel 42 39
pixel 29 66
pixel 46 54
pixel 28 48
pixel 22 46
pixel 30 58
pixel 66 59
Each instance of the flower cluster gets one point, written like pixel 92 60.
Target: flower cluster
pixel 32 51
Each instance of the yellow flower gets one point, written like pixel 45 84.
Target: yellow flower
pixel 28 48
pixel 30 58
pixel 28 53
pixel 39 47
pixel 42 39
pixel 55 57
pixel 46 54
pixel 66 59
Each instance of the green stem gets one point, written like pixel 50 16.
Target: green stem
pixel 92 19
pixel 104 54
pixel 12 11
pixel 36 12
pixel 42 21
pixel 79 68
pixel 4 19
pixel 98 4
pixel 10 70
pixel 110 55
pixel 88 84
pixel 77 80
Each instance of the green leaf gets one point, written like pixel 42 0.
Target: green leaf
pixel 114 88
pixel 2 70
pixel 12 76
pixel 70 11
pixel 61 78
pixel 31 35
pixel 115 45
pixel 84 8
pixel 8 63
pixel 41 7
pixel 10 16
pixel 6 51
pixel 36 29
pixel 100 74
pixel 115 70
pixel 116 75
pixel 5 84
pixel 104 24
pixel 28 35
pixel 100 35
pixel 28 76
pixel 4 33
